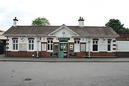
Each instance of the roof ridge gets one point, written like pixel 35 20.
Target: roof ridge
pixel 58 26
pixel 32 26
pixel 88 26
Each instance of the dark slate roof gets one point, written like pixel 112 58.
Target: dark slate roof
pixel 85 31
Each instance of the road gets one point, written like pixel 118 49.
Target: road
pixel 64 74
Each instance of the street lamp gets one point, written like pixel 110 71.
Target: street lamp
pixel 89 48
pixel 38 40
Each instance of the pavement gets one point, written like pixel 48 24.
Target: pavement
pixel 64 74
pixel 41 59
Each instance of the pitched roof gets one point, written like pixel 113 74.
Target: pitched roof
pixel 1 31
pixel 86 31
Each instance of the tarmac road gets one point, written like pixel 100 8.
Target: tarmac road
pixel 64 74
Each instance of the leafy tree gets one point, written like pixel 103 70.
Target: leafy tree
pixel 40 22
pixel 116 25
pixel 125 31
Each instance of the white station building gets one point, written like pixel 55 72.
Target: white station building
pixel 61 41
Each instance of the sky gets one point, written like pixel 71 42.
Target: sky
pixel 58 12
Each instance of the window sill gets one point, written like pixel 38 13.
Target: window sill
pixel 49 50
pixel 30 50
pixel 96 51
pixel 109 51
pixel 14 51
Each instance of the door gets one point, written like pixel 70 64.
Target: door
pixel 63 50
pixel 2 46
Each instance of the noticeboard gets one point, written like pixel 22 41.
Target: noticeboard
pixel 22 47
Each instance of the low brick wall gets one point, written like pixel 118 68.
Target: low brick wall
pixel 49 54
pixel 103 54
pixel 29 54
pixel 79 55
pixel 21 53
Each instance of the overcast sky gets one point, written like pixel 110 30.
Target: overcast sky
pixel 58 12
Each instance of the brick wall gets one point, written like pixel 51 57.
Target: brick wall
pixel 103 54
pixel 49 54
pixel 29 54
pixel 79 55
pixel 21 53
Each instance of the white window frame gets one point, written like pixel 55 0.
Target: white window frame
pixel 15 44
pixel 50 45
pixel 31 44
pixel 110 45
pixel 95 42
pixel 76 43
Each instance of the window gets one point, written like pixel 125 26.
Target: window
pixel 50 45
pixel 15 44
pixel 44 46
pixel 76 45
pixel 95 45
pixel 109 45
pixel 83 47
pixel 31 44
pixel 76 41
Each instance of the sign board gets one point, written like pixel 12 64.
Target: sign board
pixel 63 39
pixel 22 47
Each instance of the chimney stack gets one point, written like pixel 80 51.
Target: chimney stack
pixel 15 21
pixel 81 21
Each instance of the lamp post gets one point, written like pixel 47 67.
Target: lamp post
pixel 38 40
pixel 6 47
pixel 89 48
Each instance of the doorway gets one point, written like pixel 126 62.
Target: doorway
pixel 63 50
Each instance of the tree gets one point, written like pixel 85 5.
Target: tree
pixel 116 25
pixel 40 22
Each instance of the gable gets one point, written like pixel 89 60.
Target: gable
pixel 63 31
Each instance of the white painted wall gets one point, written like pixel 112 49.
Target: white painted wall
pixel 113 46
pixel 102 44
pixel 88 44
pixel 123 46
pixel 76 47
pixel 71 40
pixel 10 44
pixel 22 40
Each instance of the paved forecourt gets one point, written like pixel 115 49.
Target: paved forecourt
pixel 64 74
